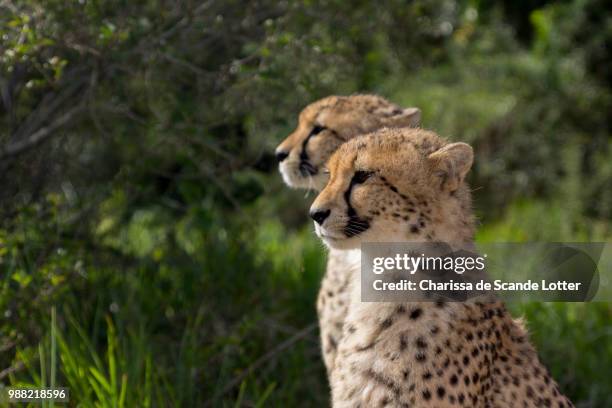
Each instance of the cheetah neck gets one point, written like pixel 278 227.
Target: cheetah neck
pixel 452 220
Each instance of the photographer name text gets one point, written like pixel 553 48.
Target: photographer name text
pixel 482 285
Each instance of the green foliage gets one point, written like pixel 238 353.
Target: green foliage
pixel 177 328
pixel 574 343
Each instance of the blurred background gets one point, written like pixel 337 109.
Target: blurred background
pixel 149 252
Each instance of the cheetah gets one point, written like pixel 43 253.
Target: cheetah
pixel 327 123
pixel 408 185
pixel 323 126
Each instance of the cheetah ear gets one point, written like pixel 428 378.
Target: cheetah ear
pixel 451 163
pixel 410 117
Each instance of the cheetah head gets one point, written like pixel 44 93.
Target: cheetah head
pixel 395 185
pixel 324 125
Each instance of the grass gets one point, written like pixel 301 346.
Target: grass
pixel 158 335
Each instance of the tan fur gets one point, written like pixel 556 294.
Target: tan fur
pixel 344 117
pixel 333 300
pixel 424 354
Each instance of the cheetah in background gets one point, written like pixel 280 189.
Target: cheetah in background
pixel 327 123
pixel 323 126
pixel 408 185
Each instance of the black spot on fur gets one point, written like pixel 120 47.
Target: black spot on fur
pixel 386 323
pixel 403 343
pixel 420 343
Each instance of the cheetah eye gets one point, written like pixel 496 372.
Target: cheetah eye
pixel 361 176
pixel 317 129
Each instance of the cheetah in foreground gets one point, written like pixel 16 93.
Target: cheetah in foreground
pixel 323 126
pixel 384 187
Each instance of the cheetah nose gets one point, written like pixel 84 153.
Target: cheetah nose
pixel 319 215
pixel 280 156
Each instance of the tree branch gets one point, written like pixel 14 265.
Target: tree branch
pixel 16 148
pixel 12 369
